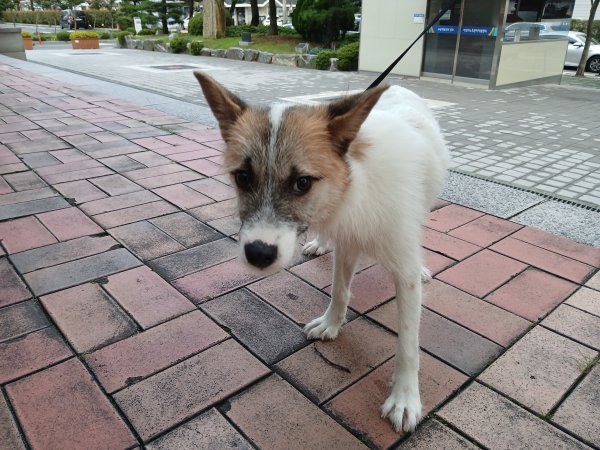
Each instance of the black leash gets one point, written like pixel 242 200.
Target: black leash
pixel 445 7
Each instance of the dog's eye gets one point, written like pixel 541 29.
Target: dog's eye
pixel 242 179
pixel 302 185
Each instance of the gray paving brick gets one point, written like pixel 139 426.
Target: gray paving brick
pixel 33 207
pixel 145 240
pixel 20 319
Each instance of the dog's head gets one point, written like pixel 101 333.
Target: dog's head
pixel 289 165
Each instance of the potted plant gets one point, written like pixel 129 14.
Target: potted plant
pixel 85 40
pixel 27 40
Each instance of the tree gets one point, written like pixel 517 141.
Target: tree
pixel 214 19
pixel 7 4
pixel 273 17
pixel 254 11
pixel 588 38
pixel 323 20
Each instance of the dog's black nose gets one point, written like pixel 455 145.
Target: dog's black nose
pixel 260 254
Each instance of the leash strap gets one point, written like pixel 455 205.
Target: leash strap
pixel 445 8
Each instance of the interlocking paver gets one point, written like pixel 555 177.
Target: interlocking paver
pixel 209 430
pixel 20 319
pixel 9 433
pixel 185 229
pixel 88 317
pixel 576 324
pixel 275 415
pixel 450 217
pixel 175 394
pixel 152 172
pixel 145 240
pixel 539 369
pixel 146 296
pixel 215 210
pixel 24 181
pixel 482 272
pixel 358 406
pixel 325 368
pixel 32 207
pixel 122 163
pixel 252 322
pixel 182 196
pixel 477 315
pixel 496 422
pixel 69 223
pixel 212 188
pixel 80 271
pixel 5 187
pixel 586 300
pixel 432 434
pixel 229 225
pixel 31 352
pixel 135 358
pixel 578 413
pixel 169 179
pixel 447 245
pixel 81 416
pixel 118 202
pixel 115 184
pixel 293 297
pixel 12 288
pixel 134 214
pixel 594 282
pixel 81 191
pixel 532 294
pixel 23 234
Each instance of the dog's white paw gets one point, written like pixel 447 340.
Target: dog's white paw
pixel 425 275
pixel 315 248
pixel 403 410
pixel 324 328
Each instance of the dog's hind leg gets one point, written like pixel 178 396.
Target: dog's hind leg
pixel 403 406
pixel 328 325
pixel 425 275
pixel 317 247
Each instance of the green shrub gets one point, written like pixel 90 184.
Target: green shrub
pixel 47 17
pixel 282 31
pixel 83 35
pixel 130 30
pixel 323 20
pixel 348 55
pixel 323 58
pixel 26 34
pixel 178 44
pixel 147 32
pixel 99 17
pixel 121 37
pixel 195 24
pixel 105 35
pixel 125 22
pixel 63 36
pixel 196 47
pixel 43 37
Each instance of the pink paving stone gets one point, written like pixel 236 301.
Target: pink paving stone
pixel 447 245
pixel 579 412
pixel 31 352
pixel 358 406
pixel 560 245
pixel 82 191
pixel 229 225
pixel 576 324
pixel 69 223
pixel 482 272
pixel 146 296
pixel 293 297
pixel 370 288
pixel 552 262
pixel 435 263
pixel 274 415
pixel 317 271
pixel 539 369
pixel 485 230
pixel 189 153
pixel 140 174
pixel 168 179
pixel 594 282
pixel 12 289
pixel 586 300
pixel 135 358
pixel 176 394
pixel 450 217
pixel 69 155
pixel 205 167
pixel 359 347
pixel 87 317
pixel 77 175
pixel 182 196
pixel 23 234
pixel 134 214
pixel 215 210
pixel 4 187
pixel 432 434
pixel 61 407
pixel 496 422
pixel 532 294
pixel 68 167
pixel 216 280
pixel 210 430
pixel 213 189
pixel 118 202
pixel 477 315
pixel 10 438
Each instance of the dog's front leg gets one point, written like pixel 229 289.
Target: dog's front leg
pixel 328 325
pixel 403 406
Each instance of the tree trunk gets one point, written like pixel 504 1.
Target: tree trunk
pixel 191 6
pixel 588 39
pixel 214 19
pixel 254 12
pixel 273 16
pixel 163 16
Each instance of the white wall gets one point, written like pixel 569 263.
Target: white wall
pixel 581 10
pixel 387 29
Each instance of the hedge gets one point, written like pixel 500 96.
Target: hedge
pixel 121 37
pixel 83 35
pixel 348 57
pixel 48 17
pixel 63 36
pixel 178 44
pixel 195 24
pixel 322 62
pixel 196 47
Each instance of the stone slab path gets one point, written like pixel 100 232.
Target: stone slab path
pixel 126 320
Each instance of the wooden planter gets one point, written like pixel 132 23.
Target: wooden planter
pixel 85 43
pixel 28 43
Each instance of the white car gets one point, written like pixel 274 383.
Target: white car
pixel 575 50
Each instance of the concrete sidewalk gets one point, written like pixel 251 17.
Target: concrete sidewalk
pixel 127 322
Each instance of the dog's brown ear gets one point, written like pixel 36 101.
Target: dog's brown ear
pixel 348 114
pixel 226 106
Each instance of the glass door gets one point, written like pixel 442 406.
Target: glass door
pixel 440 42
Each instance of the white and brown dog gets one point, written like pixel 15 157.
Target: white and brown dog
pixel 363 173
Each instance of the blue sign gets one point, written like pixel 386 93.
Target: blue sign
pixel 478 31
pixel 445 29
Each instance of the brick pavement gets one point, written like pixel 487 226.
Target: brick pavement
pixel 127 322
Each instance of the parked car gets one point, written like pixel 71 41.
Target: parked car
pixel 69 17
pixel 531 30
pixel 267 21
pixel 575 50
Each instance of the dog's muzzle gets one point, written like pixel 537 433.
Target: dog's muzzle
pixel 260 254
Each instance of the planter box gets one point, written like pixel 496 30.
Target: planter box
pixel 85 43
pixel 11 43
pixel 28 43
